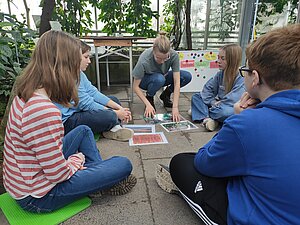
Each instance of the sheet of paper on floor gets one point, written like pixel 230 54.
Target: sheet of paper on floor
pixel 178 126
pixel 148 139
pixel 161 118
pixel 146 128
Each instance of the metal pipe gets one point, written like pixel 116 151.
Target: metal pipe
pixel 206 33
pixel 254 20
pixel 298 15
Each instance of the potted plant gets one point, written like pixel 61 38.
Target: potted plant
pixel 16 45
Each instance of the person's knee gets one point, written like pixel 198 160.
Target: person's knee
pixel 159 80
pixel 177 161
pixel 110 117
pixel 221 113
pixel 180 166
pixel 186 77
pixel 124 164
pixel 103 120
pixel 196 97
pixel 82 129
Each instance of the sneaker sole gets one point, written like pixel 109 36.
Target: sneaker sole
pixel 123 134
pixel 122 187
pixel 164 180
pixel 97 194
pixel 211 125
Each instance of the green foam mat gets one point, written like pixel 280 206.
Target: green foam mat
pixel 97 137
pixel 17 216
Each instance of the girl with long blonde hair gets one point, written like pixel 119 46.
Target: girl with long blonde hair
pixel 215 103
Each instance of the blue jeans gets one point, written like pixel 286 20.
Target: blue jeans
pixel 153 82
pixel 201 111
pixel 98 175
pixel 99 121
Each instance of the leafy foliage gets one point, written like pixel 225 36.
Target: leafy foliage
pixel 174 19
pixel 225 18
pixel 16 45
pixel 73 15
pixel 139 17
pixel 270 7
pixel 111 13
pixel 133 17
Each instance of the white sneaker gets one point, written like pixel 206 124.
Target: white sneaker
pixel 119 133
pixel 210 124
pixel 189 112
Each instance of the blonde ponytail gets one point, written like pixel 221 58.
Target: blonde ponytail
pixel 162 43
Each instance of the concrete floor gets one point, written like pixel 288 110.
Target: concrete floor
pixel 146 203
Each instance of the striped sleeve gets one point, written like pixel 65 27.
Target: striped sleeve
pixel 43 132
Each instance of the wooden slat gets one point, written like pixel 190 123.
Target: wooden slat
pixel 112 42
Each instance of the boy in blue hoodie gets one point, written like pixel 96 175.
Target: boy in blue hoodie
pixel 248 173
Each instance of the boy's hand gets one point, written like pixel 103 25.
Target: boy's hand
pixel 246 102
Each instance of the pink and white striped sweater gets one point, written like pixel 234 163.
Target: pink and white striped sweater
pixel 33 158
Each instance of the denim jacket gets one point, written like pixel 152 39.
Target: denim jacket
pixel 214 90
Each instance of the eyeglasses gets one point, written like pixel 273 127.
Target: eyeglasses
pixel 162 59
pixel 167 57
pixel 244 69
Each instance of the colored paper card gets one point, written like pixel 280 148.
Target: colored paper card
pixel 178 126
pixel 147 128
pixel 148 139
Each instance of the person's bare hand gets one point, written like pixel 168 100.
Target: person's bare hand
pixel 82 167
pixel 128 116
pixel 175 114
pixel 82 160
pixel 149 111
pixel 245 102
pixel 124 114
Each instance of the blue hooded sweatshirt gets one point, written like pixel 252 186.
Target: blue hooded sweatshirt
pixel 259 150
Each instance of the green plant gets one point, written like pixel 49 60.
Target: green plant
pixel 111 13
pixel 2 107
pixel 139 17
pixel 174 20
pixel 133 17
pixel 73 15
pixel 271 7
pixel 16 45
pixel 225 18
